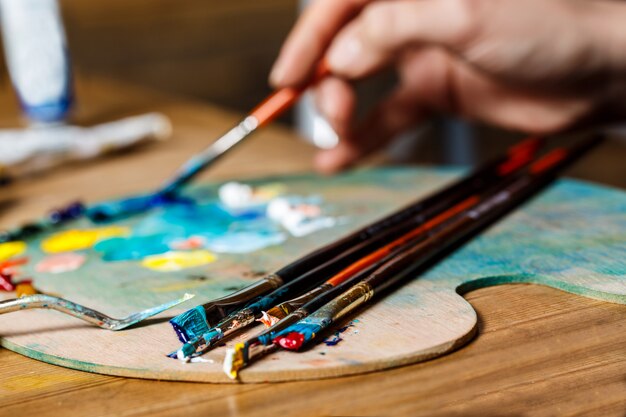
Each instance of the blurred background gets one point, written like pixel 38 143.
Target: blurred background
pixel 221 52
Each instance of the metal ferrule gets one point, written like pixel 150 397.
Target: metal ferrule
pixel 292 305
pixel 218 309
pixel 210 154
pixel 345 303
pixel 236 321
pixel 257 351
pixel 256 289
pixel 266 336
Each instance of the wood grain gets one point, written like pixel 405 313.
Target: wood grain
pixel 539 352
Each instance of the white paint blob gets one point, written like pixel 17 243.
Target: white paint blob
pixel 299 216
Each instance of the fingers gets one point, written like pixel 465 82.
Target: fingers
pixel 336 101
pixel 309 39
pixel 384 28
pixel 398 113
pixel 445 83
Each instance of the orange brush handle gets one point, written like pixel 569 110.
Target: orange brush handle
pixel 279 101
pixel 379 254
pixel 519 155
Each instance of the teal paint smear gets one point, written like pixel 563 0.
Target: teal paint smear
pixel 132 248
pixel 225 232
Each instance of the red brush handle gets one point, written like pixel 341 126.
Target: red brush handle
pixel 279 101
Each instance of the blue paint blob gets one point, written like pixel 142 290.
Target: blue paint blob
pixel 132 248
pixel 223 231
pixel 333 340
pixel 115 209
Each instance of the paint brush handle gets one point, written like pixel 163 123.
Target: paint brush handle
pixel 516 157
pixel 500 202
pixel 269 109
pixel 317 266
pixel 371 244
pixel 279 101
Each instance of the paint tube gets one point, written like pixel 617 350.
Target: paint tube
pixel 37 58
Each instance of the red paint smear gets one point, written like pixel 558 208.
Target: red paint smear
pixel 293 341
pixel 12 263
pixel 6 283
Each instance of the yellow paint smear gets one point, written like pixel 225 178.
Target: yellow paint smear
pixel 175 261
pixel 72 240
pixel 11 249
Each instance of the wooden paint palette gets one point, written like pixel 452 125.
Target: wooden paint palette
pixel 572 237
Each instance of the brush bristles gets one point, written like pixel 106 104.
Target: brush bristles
pixel 242 355
pixel 190 324
pixel 277 313
pixel 268 319
pixel 266 336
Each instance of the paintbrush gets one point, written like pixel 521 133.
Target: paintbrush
pixel 199 337
pixel 320 263
pixel 282 310
pixel 281 317
pixel 269 109
pixel 540 174
pixel 85 313
pixel 248 315
pixel 289 313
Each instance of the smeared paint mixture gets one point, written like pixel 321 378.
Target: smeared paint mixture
pixel 245 219
pixel 72 240
pixel 235 219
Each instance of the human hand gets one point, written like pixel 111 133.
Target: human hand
pixel 537 66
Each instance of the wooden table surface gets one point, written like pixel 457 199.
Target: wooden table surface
pixel 539 352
